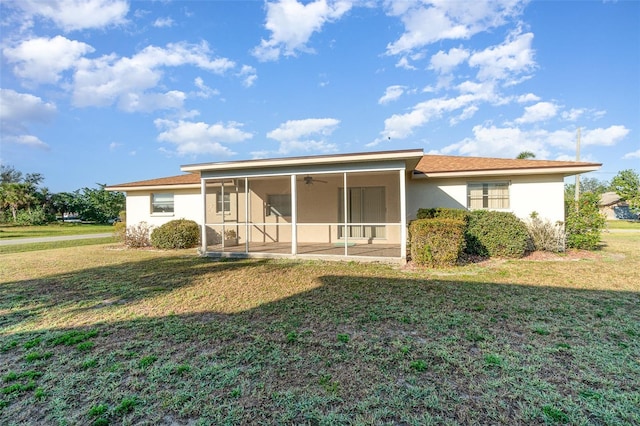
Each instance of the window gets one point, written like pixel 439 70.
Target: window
pixel 364 205
pixel 223 203
pixel 279 205
pixel 488 195
pixel 162 203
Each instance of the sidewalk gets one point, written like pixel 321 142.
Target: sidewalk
pixel 53 239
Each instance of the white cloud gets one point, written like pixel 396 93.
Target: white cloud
pixel 404 63
pixel 163 22
pixel 508 142
pixel 529 97
pixel 466 114
pixel 538 112
pixel 505 61
pixel 17 112
pixel 109 79
pixel 401 126
pixel 308 135
pixel 391 94
pixel 631 155
pixel 114 145
pixel 431 21
pixel 604 137
pixel 42 60
pixel 444 62
pixel 249 74
pixel 205 91
pixel 573 114
pixel 147 102
pixel 199 137
pixel 292 24
pixel 26 140
pixel 73 15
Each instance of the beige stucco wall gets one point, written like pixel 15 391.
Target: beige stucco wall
pixel 187 205
pixel 542 193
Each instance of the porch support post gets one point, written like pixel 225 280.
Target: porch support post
pixel 294 216
pixel 403 214
pixel 222 210
pixel 346 209
pixel 203 229
pixel 246 214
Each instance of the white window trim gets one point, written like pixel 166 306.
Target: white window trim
pixel 490 182
pixel 162 214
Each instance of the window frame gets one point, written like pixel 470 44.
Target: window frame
pixel 154 204
pixel 488 199
pixel 223 206
pixel 273 208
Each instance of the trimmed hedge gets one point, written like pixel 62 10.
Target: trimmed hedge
pixel 437 242
pixel 444 213
pixel 492 233
pixel 176 234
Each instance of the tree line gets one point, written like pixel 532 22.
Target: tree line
pixel 24 201
pixel 626 184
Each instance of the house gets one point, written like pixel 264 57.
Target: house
pixel 341 206
pixel 612 206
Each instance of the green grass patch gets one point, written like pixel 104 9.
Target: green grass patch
pixel 10 232
pixel 181 339
pixel 37 356
pixel 147 361
pixel 623 224
pixel 22 248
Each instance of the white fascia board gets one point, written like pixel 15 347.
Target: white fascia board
pixel 414 155
pixel 566 171
pixel 151 187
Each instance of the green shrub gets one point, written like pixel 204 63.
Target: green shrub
pixel 137 236
pixel 492 233
pixel 545 236
pixel 584 222
pixel 443 213
pixel 177 234
pixel 436 242
pixel 34 216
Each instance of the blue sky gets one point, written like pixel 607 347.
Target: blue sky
pixel 113 91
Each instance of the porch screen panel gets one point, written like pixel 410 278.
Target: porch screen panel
pixel 364 205
pixel 373 211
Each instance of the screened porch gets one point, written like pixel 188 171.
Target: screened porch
pixel 336 214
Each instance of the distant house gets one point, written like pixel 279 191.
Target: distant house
pixel 341 206
pixel 612 206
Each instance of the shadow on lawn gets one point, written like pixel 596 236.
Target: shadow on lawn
pixel 379 349
pixel 100 287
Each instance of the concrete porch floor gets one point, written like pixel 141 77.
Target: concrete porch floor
pixel 319 250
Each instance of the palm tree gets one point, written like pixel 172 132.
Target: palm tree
pixel 525 154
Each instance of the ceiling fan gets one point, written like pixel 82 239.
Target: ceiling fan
pixel 310 180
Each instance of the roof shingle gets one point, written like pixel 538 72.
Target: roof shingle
pixel 451 163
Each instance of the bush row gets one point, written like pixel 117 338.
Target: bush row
pixel 439 236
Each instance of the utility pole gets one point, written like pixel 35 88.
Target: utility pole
pixel 578 159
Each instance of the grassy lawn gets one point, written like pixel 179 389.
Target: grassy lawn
pixel 99 335
pixel 51 230
pixel 21 248
pixel 623 224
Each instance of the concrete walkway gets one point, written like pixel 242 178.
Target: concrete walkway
pixel 53 239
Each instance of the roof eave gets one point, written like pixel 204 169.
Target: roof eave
pixel 412 157
pixel 151 187
pixel 565 171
